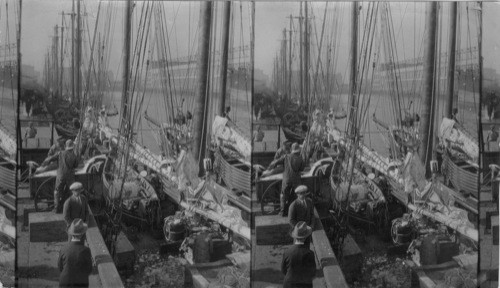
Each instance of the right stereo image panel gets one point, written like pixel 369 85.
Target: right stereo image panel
pixel 375 144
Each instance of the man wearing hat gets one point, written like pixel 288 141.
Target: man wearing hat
pixel 76 206
pixel 298 264
pixel 57 147
pixel 302 208
pixel 284 150
pixel 75 260
pixel 293 165
pixel 67 162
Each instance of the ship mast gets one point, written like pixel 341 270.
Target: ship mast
pixel 225 54
pixel 61 57
pixel 451 60
pixel 306 54
pixel 124 127
pixel 73 52
pixel 201 107
pixel 301 102
pixel 426 128
pixel 78 54
pixel 290 60
pixel 480 128
pixel 56 62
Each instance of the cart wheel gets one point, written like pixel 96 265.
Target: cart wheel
pixel 44 196
pixel 270 201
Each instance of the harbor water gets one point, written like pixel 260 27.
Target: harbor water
pixel 155 104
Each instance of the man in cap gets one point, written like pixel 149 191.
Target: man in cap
pixel 298 264
pixel 302 208
pixel 75 260
pixel 76 206
pixel 293 165
pixel 67 162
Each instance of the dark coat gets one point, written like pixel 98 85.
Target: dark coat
pixel 300 212
pixel 73 209
pixel 67 162
pixel 298 266
pixel 75 265
pixel 293 165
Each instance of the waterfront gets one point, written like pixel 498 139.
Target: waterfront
pixel 154 105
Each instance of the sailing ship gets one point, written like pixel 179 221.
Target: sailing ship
pixel 177 170
pixel 403 172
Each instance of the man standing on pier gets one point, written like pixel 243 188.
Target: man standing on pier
pixel 67 162
pixel 302 208
pixel 293 165
pixel 76 207
pixel 57 147
pixel 75 260
pixel 284 150
pixel 298 264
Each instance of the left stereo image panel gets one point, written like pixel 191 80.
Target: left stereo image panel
pixel 9 81
pixel 135 144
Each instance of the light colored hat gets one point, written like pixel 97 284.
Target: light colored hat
pixel 295 148
pixel 301 230
pixel 77 186
pixel 301 189
pixel 78 227
pixel 143 173
pixel 69 144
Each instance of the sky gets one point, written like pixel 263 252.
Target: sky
pixel 408 18
pixel 39 18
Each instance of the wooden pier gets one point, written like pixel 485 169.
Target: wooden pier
pixel 270 239
pixel 43 235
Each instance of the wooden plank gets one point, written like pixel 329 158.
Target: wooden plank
pixel 105 266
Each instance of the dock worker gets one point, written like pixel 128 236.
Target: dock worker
pixel 298 264
pixel 67 162
pixel 301 208
pixel 76 206
pixel 57 147
pixel 284 150
pixel 492 135
pixel 293 165
pixel 75 259
pixel 31 131
pixel 258 135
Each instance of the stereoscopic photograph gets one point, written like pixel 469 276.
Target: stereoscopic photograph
pixel 241 144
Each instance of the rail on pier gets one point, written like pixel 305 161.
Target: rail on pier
pixel 108 274
pixel 333 275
